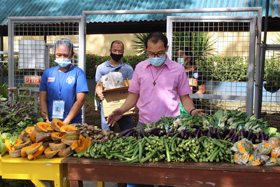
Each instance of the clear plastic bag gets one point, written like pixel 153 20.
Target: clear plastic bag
pixel 112 80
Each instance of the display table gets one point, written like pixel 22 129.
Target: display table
pixel 34 170
pixel 163 173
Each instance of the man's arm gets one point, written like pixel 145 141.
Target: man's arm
pixel 76 107
pixel 130 102
pixel 44 105
pixel 187 103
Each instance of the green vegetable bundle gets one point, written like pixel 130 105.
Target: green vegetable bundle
pixel 154 149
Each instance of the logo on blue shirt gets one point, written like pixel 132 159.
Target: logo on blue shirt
pixel 70 79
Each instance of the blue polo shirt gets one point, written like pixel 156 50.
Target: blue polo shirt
pixel 70 83
pixel 106 67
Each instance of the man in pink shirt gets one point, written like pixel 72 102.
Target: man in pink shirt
pixel 157 86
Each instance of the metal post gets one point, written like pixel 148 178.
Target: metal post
pixel 11 58
pixel 260 69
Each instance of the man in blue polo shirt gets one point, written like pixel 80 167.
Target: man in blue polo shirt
pixel 115 64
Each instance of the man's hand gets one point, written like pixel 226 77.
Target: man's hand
pixel 198 112
pixel 114 117
pixel 100 95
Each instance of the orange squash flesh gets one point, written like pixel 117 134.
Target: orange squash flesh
pixel 82 144
pixel 56 124
pixel 42 127
pixel 36 154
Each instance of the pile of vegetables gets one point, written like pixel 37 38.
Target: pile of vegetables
pixel 265 153
pixel 154 149
pixel 224 125
pixel 96 134
pixel 48 139
pixel 15 118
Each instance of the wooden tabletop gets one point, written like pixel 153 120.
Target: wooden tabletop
pixel 164 173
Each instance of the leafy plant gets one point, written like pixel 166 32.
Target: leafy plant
pixel 201 43
pixel 139 41
pixel 15 118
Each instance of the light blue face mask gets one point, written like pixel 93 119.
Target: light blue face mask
pixel 157 61
pixel 63 62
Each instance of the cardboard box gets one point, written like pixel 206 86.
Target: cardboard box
pixel 113 99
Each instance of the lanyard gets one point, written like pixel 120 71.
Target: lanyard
pixel 60 88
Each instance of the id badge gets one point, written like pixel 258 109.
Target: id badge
pixel 58 109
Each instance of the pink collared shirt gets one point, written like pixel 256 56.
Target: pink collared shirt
pixel 161 99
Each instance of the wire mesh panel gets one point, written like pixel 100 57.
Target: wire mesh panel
pixel 31 42
pixel 271 88
pixel 216 55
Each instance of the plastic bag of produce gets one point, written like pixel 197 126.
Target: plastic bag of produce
pixel 275 141
pixel 112 80
pixel 275 152
pixel 254 161
pixel 265 148
pixel 243 146
pixel 241 158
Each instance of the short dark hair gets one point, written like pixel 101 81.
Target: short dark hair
pixel 64 41
pixel 155 37
pixel 188 52
pixel 118 42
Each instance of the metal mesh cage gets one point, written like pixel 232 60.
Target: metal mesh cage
pixel 218 53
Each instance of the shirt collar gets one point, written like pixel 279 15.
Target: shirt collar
pixel 108 64
pixel 166 63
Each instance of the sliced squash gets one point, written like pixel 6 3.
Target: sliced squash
pixel 65 152
pixel 56 124
pixel 33 156
pixel 42 126
pixel 23 151
pixel 15 153
pixel 72 136
pixel 68 142
pixel 33 148
pixel 33 136
pixel 9 146
pixel 81 145
pixel 68 128
pixel 56 136
pixel 57 146
pixel 43 137
pixel 49 153
pixel 29 130
pixel 20 145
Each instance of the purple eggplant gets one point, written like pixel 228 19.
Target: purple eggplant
pixel 250 134
pixel 218 136
pixel 211 130
pixel 198 133
pixel 242 133
pixel 142 132
pixel 195 126
pixel 235 138
pixel 231 132
pixel 123 133
pixel 130 133
pixel 232 136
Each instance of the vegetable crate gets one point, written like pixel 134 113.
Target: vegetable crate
pixel 35 170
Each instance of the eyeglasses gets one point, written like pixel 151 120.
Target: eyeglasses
pixel 159 54
pixel 62 55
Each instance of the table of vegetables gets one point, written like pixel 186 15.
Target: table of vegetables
pixel 226 136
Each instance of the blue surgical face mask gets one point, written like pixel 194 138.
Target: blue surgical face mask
pixel 157 61
pixel 63 62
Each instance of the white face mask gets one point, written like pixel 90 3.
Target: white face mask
pixel 181 61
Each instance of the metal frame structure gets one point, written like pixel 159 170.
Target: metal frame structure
pixel 42 19
pixel 252 21
pixel 257 32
